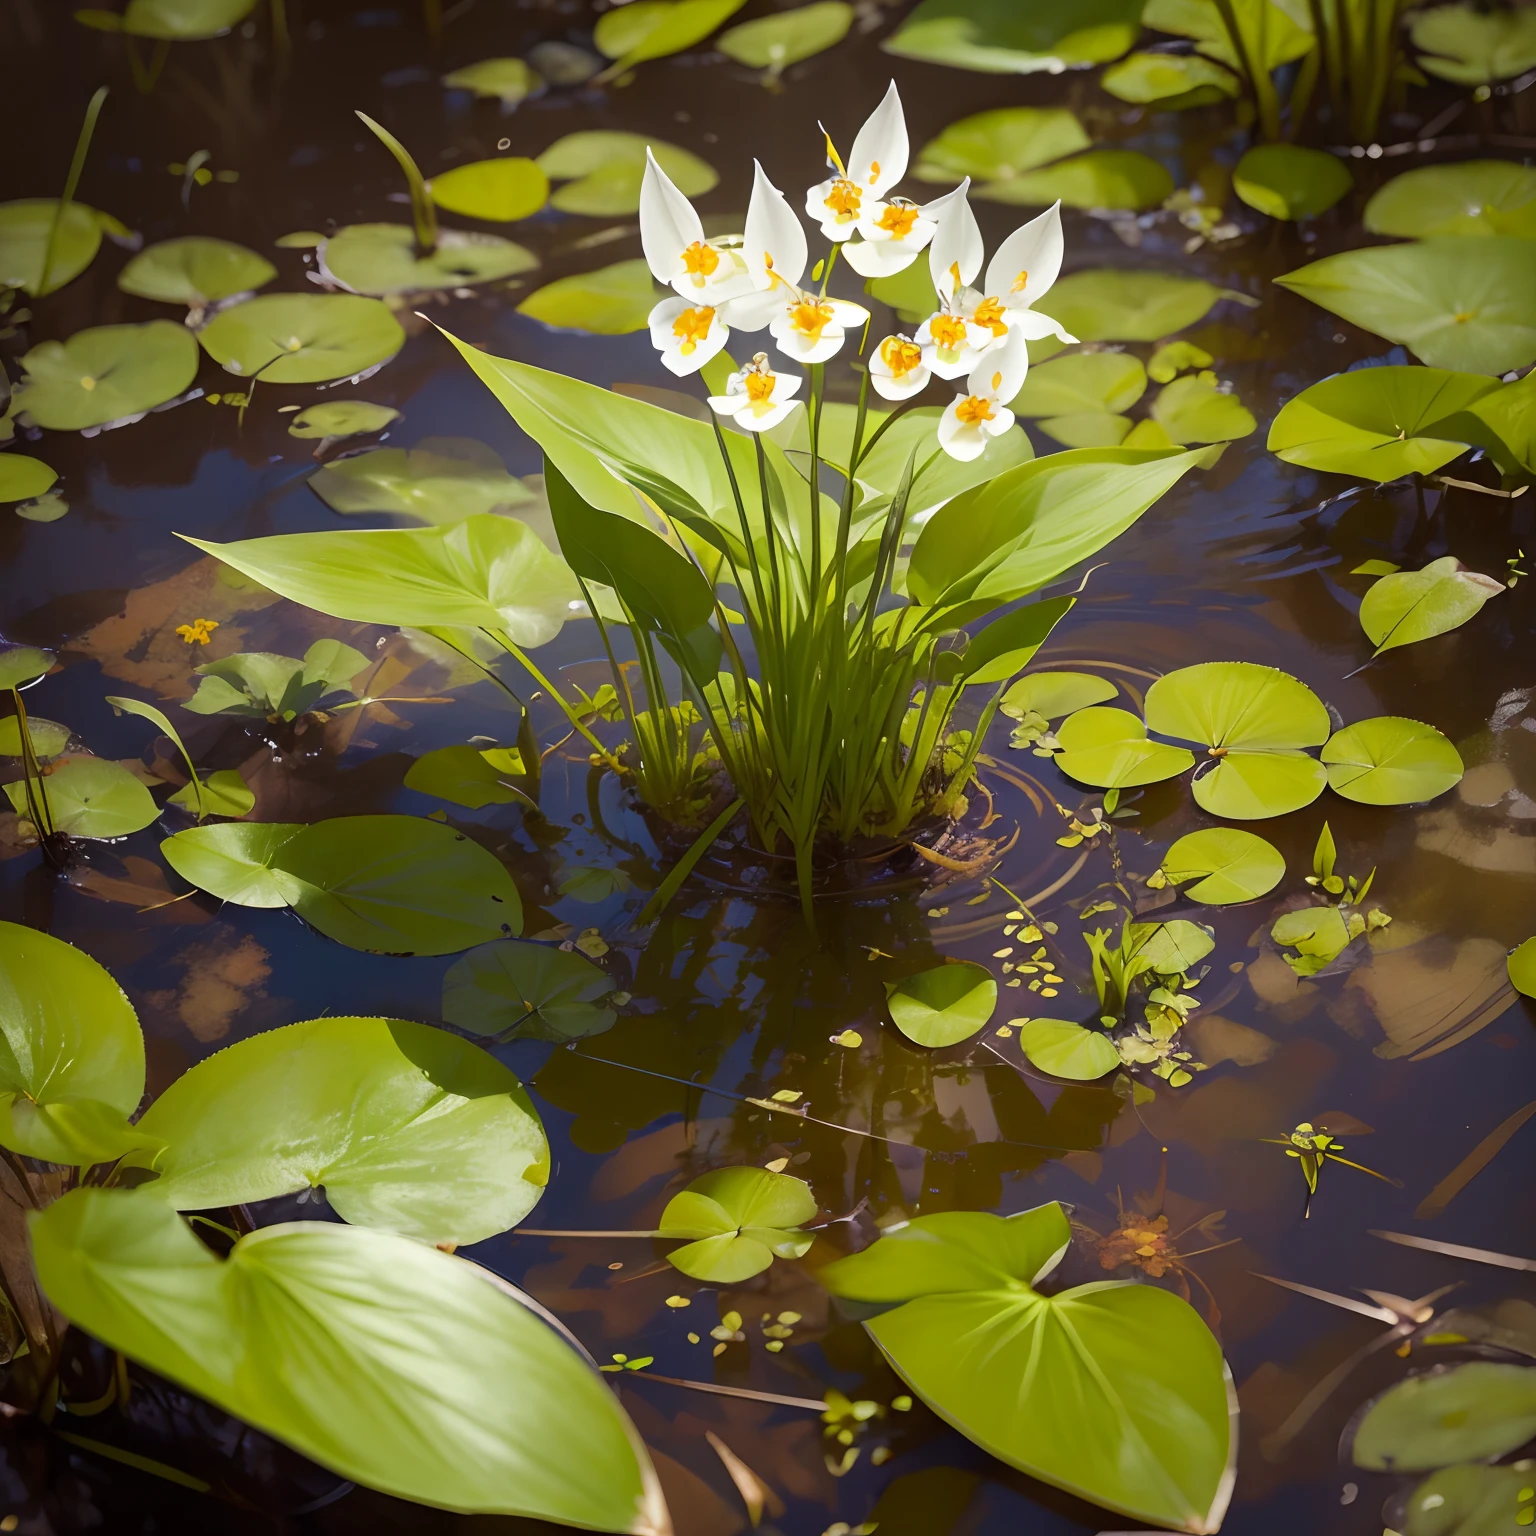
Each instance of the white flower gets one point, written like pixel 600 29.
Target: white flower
pixel 878 162
pixel 952 342
pixel 1022 271
pixel 972 419
pixel 757 397
pixel 687 334
pixel 897 369
pixel 672 237
pixel 896 232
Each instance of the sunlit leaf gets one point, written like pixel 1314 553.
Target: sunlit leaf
pixel 1087 429
pixel 1054 694
pixel 1001 144
pixel 177 21
pixel 48 737
pixel 1195 409
pixel 302 338
pixel 1102 178
pixel 1286 33
pixel 1288 181
pixel 1475 197
pixel 1418 605
pixel 1389 760
pixel 1065 1049
pixel 381 259
pixel 501 191
pixel 22 478
pixel 1226 865
pixel 222 793
pixel 341 418
pixel 91 797
pixel 1474 1411
pixel 505 80
pixel 522 990
pixel 1522 967
pixel 25 228
pixel 464 775
pixel 440 480
pixel 1472 47
pixel 738 1220
pixel 611 301
pixel 652 29
pixel 1319 935
pixel 260 683
pixel 603 170
pixel 1470 1501
pixel 1002 37
pixel 1173 357
pixel 1084 382
pixel 104 374
pixel 1170 81
pixel 1109 748
pixel 1122 304
pixel 775 42
pixel 20 664
pixel 943 1005
pixel 1008 644
pixel 195 270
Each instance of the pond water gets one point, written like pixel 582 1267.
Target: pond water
pixel 732 999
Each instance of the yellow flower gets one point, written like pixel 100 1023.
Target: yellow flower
pixel 198 632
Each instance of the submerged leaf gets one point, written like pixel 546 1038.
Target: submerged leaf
pixel 739 1220
pixel 522 990
pixel 1476 197
pixel 302 338
pixel 440 480
pixel 1418 605
pixel 1226 864
pixel 195 270
pixel 464 775
pixel 91 797
pixel 1109 748
pixel 943 1005
pixel 1287 181
pixel 1002 37
pixel 105 374
pixel 1001 144
pixel 501 191
pixel 341 418
pixel 612 301
pixel 504 80
pixel 1389 760
pixel 1470 1412
pixel 1170 81
pixel 775 42
pixel 1065 1049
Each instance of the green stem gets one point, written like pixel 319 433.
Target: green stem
pixel 71 182
pixel 423 210
pixel 522 656
pixel 684 866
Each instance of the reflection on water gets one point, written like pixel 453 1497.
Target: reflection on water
pixel 1419 1044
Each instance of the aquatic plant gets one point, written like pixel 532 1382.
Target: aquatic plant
pixel 1313 1147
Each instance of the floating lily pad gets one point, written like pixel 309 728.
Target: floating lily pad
pixel 1001 144
pixel 48 737
pixel 612 301
pixel 1173 357
pixel 1109 749
pixel 1083 382
pixel 739 1220
pixel 775 42
pixel 25 228
pixel 1418 605
pixel 441 480
pixel 1284 36
pixel 195 270
pixel 22 478
pixel 264 685
pixel 1522 967
pixel 1195 409
pixel 1226 864
pixel 1253 721
pixel 1476 197
pixel 1470 1412
pixel 501 191
pixel 1472 47
pixel 526 991
pixel 1458 302
pixel 22 664
pixel 1002 37
pixel 381 259
pixel 105 374
pixel 91 797
pixel 467 776
pixel 1389 760
pixel 174 21
pixel 341 418
pixel 1052 695
pixel 1287 181
pixel 1115 304
pixel 1319 935
pixel 1170 81
pixel 508 81
pixel 653 29
pixel 1471 1501
pixel 1102 178
pixel 1065 1049
pixel 1377 423
pixel 943 1005
pixel 303 338
pixel 603 170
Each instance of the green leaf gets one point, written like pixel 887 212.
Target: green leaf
pixel 396 885
pixel 1085 381
pixel 1319 936
pixel 440 480
pixel 604 169
pixel 1388 760
pixel 1008 644
pixel 407 1128
pixel 1170 81
pixel 341 418
pixel 195 270
pixel 25 228
pixel 1109 748
pixel 501 191
pixel 1377 423
pixel 1287 181
pixel 1508 417
pixel 1170 948
pixel 1418 605
pixel 1102 178
pixel 652 29
pixel 484 572
pixel 91 797
pixel 282 1331
pixel 71 1054
pixel 1087 429
pixel 1522 967
pixel 611 301
pixel 464 775
pixel 1115 1392
pixel 943 1005
pixel 1253 721
pixel 1472 47
pixel 22 664
pixel 1274 32
pixel 504 80
pixel 1055 694
pixel 1195 409
pixel 176 21
pixel 224 793
pixel 22 478
pixel 105 374
pixel 1226 864
pixel 1470 1501
pixel 1456 301
pixel 521 990
pixel 1476 1411
pixel 260 683
pixel 1121 304
pixel 1000 144
pixel 302 338
pixel 382 259
pixel 775 42
pixel 1173 357
pixel 1002 37
pixel 48 737
pixel 1065 1049
pixel 739 1220
pixel 1475 197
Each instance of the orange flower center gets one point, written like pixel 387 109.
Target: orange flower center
pixel 990 314
pixel 810 318
pixel 898 218
pixel 700 259
pixel 948 332
pixel 1021 282
pixel 843 199
pixel 973 410
pixel 900 355
pixel 760 388
pixel 691 327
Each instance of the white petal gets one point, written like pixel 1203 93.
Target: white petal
pixel 785 385
pixel 904 388
pixel 668 223
pixel 766 419
pixel 955 438
pixel 725 405
pixel 683 362
pixel 803 348
pixel 660 321
pixel 1036 326
pixel 834 225
pixel 880 258
pixel 998 422
pixel 1028 261
pixel 774 245
pixel 752 311
pixel 849 316
pixel 999 374
pixel 956 249
pixel 879 158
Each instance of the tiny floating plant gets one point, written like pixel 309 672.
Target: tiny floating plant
pixel 1313 1147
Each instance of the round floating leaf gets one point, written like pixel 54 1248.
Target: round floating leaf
pixel 943 1005
pixel 1456 301
pixel 1471 1412
pixel 603 170
pixel 341 418
pixel 563 63
pixel 1116 1393
pixel 1002 37
pixel 1170 81
pixel 1472 47
pixel 71 1054
pixel 482 573
pixel 1083 383
pixel 499 190
pixel 21 664
pixel 441 480
pixel 1001 144
pixel 1065 1049
pixel 505 80
pixel 1102 178
pixel 22 478
pixel 381 259
pixel 91 797
pixel 303 338
pixel 48 737
pixel 652 29
pixel 1273 33
pixel 1471 1501
pixel 466 776
pixel 522 990
pixel 1116 304
pixel 25 228
pixel 394 885
pixel 1109 748
pixel 282 1331
pixel 1226 864
pixel 1378 423
pixel 1195 409
pixel 775 42
pixel 1418 605
pixel 1286 181
pixel 1389 760
pixel 195 270
pixel 739 1220
pixel 1522 967
pixel 172 21
pixel 407 1128
pixel 1055 694
pixel 1476 197
pixel 105 374
pixel 609 302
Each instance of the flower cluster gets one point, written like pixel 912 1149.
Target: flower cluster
pixel 756 281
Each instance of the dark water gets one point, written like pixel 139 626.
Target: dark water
pixel 1249 561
